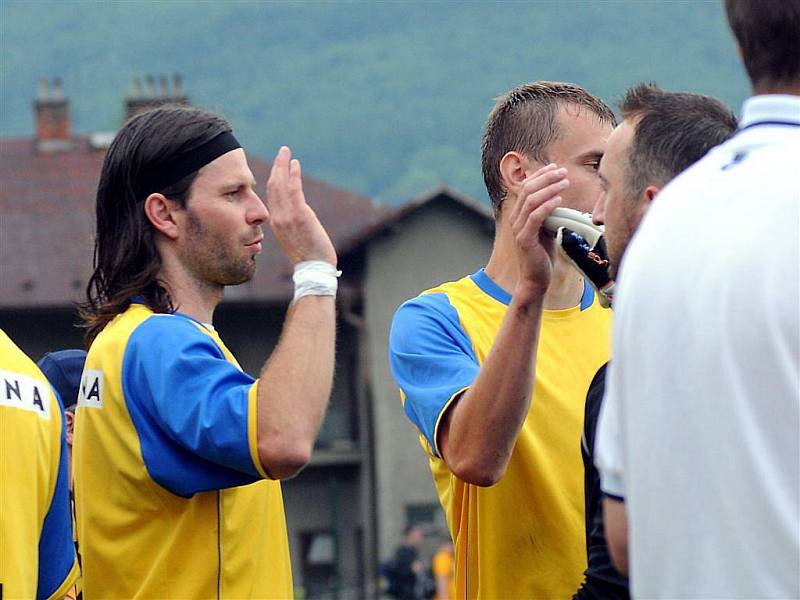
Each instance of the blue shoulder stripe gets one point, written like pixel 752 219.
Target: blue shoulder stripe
pixel 189 406
pixel 432 359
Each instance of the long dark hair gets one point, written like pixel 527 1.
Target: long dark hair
pixel 126 260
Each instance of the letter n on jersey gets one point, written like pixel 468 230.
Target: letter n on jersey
pixel 22 391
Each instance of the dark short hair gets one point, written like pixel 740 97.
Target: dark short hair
pixel 768 32
pixel 525 120
pixel 673 130
pixel 126 260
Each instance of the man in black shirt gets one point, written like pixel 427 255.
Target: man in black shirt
pixel 406 566
pixel 601 579
pixel 662 133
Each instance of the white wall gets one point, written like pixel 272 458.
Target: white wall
pixel 441 241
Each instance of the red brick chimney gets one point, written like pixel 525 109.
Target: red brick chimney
pixel 52 117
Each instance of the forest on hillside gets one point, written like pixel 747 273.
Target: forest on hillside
pixel 384 98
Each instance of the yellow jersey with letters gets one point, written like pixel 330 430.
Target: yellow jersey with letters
pixel 169 489
pixel 523 537
pixel 37 558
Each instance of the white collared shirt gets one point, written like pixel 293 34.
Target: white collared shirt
pixel 700 429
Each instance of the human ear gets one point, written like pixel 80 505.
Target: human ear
pixel 514 169
pixel 160 210
pixel 70 417
pixel 645 200
pixel 649 194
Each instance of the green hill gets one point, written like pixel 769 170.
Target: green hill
pixel 386 99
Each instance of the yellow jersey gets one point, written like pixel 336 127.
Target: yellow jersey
pixel 170 494
pixel 37 558
pixel 523 537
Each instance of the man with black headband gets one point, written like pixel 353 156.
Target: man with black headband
pixel 178 452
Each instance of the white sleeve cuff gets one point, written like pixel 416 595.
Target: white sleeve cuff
pixel 612 485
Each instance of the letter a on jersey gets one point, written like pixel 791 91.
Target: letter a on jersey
pixel 91 392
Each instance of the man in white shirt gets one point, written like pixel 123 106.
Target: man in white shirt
pixel 698 443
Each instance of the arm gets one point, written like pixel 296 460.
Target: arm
pixel 616 522
pixel 608 457
pixel 479 430
pixel 295 383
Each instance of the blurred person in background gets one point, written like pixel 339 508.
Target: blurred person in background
pixel 63 370
pixel 404 569
pixel 443 568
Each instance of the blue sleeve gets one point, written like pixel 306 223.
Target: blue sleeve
pixel 190 407
pixel 56 549
pixel 432 360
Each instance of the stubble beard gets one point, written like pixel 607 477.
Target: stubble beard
pixel 212 258
pixel 614 256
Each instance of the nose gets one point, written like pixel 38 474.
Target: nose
pixel 257 212
pixel 599 210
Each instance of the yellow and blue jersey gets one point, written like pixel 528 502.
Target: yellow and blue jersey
pixel 523 537
pixel 169 489
pixel 37 558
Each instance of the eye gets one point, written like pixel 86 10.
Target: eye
pixel 594 165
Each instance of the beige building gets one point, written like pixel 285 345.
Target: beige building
pixel 368 476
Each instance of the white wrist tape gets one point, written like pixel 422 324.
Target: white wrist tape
pixel 314 278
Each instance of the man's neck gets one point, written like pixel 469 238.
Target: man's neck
pixel 566 285
pixel 789 89
pixel 190 296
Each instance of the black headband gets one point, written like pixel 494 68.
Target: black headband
pixel 172 171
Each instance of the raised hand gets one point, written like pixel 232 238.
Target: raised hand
pixel 538 196
pixel 293 222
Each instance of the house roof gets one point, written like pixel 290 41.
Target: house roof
pixel 439 194
pixel 47 220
